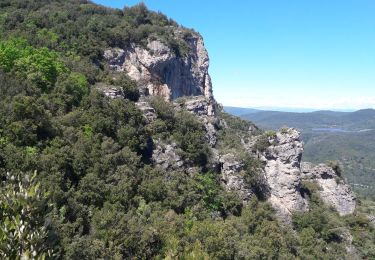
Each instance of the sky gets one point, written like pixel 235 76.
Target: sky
pixel 294 54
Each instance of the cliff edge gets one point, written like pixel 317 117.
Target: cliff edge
pixel 159 71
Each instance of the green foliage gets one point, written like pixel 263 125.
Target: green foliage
pixel 335 165
pixel 128 86
pixel 22 211
pixel 40 66
pixel 185 130
pixel 270 134
pixel 190 136
pixel 230 137
pixel 284 130
pixel 87 130
pixel 363 234
pixel 262 143
pixel 323 233
pixel 210 189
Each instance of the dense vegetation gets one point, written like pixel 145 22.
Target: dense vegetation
pixel 77 177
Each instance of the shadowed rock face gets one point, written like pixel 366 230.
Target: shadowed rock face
pixel 334 191
pixel 159 71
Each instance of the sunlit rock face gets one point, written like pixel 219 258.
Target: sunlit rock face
pixel 159 71
pixel 333 190
pixel 283 174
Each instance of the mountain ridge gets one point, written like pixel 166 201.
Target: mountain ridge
pixel 111 138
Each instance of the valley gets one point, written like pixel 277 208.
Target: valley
pixel 348 137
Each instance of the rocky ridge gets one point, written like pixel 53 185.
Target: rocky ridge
pixel 185 81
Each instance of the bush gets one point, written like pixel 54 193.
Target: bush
pixel 335 165
pixel 262 143
pixel 22 218
pixel 40 66
pixel 128 86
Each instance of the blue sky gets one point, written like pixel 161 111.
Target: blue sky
pixel 269 53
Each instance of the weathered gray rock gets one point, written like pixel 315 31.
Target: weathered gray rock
pixel 282 172
pixel 199 105
pixel 159 71
pixel 334 191
pixel 166 156
pixel 232 177
pixel 347 238
pixel 110 90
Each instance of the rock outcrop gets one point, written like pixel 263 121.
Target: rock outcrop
pixel 166 156
pixel 184 80
pixel 282 172
pixel 147 110
pixel 333 190
pixel 110 90
pixel 232 177
pixel 158 70
pixel 372 219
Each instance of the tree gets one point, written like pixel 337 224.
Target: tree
pixel 22 211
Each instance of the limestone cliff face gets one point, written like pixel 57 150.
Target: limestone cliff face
pixel 159 71
pixel 285 173
pixel 282 172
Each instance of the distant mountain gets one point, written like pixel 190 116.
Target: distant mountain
pixel 239 111
pixel 352 121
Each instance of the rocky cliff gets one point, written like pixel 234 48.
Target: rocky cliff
pixel 285 174
pixel 159 71
pixel 282 171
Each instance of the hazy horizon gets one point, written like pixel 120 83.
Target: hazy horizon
pixel 315 54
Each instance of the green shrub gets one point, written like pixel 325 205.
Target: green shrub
pixel 22 218
pixel 335 165
pixel 41 66
pixel 262 143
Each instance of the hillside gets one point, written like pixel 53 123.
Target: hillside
pixel 112 146
pixel 349 121
pixel 344 136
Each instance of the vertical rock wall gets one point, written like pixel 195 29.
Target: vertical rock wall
pixel 159 71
